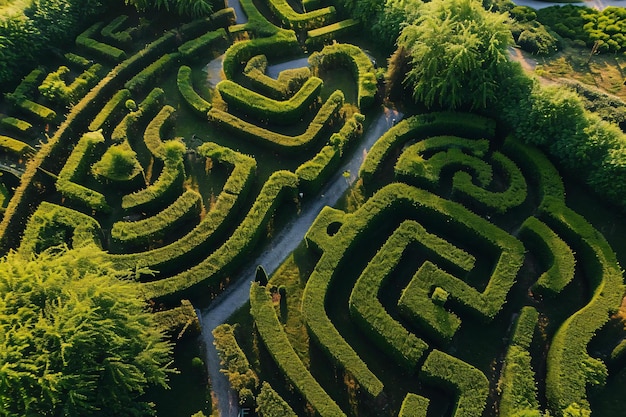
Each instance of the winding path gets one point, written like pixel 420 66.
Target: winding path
pixel 275 253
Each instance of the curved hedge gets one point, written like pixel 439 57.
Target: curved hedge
pixel 469 385
pixel 147 108
pixel 277 343
pixel 277 140
pixel 266 109
pixel 141 232
pixel 300 21
pixel 75 168
pixel 53 225
pixel 357 62
pixel 214 224
pixel 152 135
pixel 191 97
pixel 287 82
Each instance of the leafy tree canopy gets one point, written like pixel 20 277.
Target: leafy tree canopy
pixel 458 52
pixel 75 339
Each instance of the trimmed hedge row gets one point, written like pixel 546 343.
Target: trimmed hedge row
pixel 266 109
pixel 152 135
pixel 53 225
pixel 270 404
pixel 276 140
pixel 369 313
pixel 187 92
pixel 414 405
pixel 300 21
pixel 327 34
pixel 277 343
pixel 257 25
pixel 517 386
pixel 469 384
pixel 75 168
pixel 214 224
pixel 187 207
pixel 105 51
pixel 466 125
pixel 112 109
pixel 569 367
pixel 152 72
pixel 553 252
pixel 166 187
pixel 397 199
pixel 19 98
pixel 54 87
pixel 210 271
pixel 280 44
pixel 59 145
pixel 112 31
pixel 16 146
pixel 287 83
pixel 148 107
pixel 197 47
pixel 43 113
pixel 16 125
pixel 179 322
pixel 343 54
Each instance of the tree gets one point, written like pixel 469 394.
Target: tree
pixel 75 339
pixel 458 52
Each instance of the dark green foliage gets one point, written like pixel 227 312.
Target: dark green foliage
pixel 192 8
pixel 87 43
pixel 16 125
pixel 152 72
pixel 113 33
pixel 199 46
pixel 149 107
pixel 112 108
pixel 468 384
pixel 85 344
pixel 275 339
pixel 191 97
pixel 179 322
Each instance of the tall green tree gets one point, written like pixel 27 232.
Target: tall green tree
pixel 458 53
pixel 75 339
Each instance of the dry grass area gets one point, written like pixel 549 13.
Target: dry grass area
pixel 606 71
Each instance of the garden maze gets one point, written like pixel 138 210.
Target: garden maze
pixel 434 297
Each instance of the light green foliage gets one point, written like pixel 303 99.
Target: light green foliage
pixel 191 8
pixel 270 404
pixel 119 163
pixel 75 339
pixel 458 51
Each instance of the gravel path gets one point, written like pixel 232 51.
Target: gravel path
pixel 276 252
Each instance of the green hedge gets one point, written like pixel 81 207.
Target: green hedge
pixel 27 87
pixel 270 404
pixel 277 343
pixel 156 128
pixel 233 361
pixel 266 109
pixel 517 386
pixel 85 42
pixel 421 126
pixel 569 367
pixel 53 225
pixel 211 271
pixel 369 313
pixel 186 208
pixel 56 89
pixel 16 125
pixel 147 108
pixel 187 92
pixel 414 405
pixel 43 113
pixel 553 252
pixel 74 170
pixel 327 34
pixel 179 322
pixel 359 64
pixel 217 221
pixel 287 83
pixel 468 384
pixel 313 133
pixel 16 146
pixel 112 109
pixel 281 44
pixel 113 33
pixel 196 48
pixel 300 21
pixel 167 186
pixel 257 25
pixel 152 72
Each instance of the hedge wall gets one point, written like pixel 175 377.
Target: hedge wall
pixel 156 129
pixel 86 43
pixel 279 141
pixel 113 108
pixel 16 146
pixel 329 33
pixel 287 83
pixel 152 72
pixel 300 21
pixel 414 405
pixel 147 108
pixel 277 343
pixel 189 95
pixel 198 47
pixel 266 109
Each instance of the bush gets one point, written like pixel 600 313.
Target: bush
pixel 110 110
pixel 193 99
pixel 55 88
pixel 277 343
pixel 110 53
pixel 270 404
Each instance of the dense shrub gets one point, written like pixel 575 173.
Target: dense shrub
pixel 275 339
pixel 151 73
pixel 54 87
pixel 197 47
pixel 191 97
pixel 270 404
pixel 111 109
pixel 286 84
pixel 300 21
pixel 331 32
pixel 15 146
pixel 89 45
